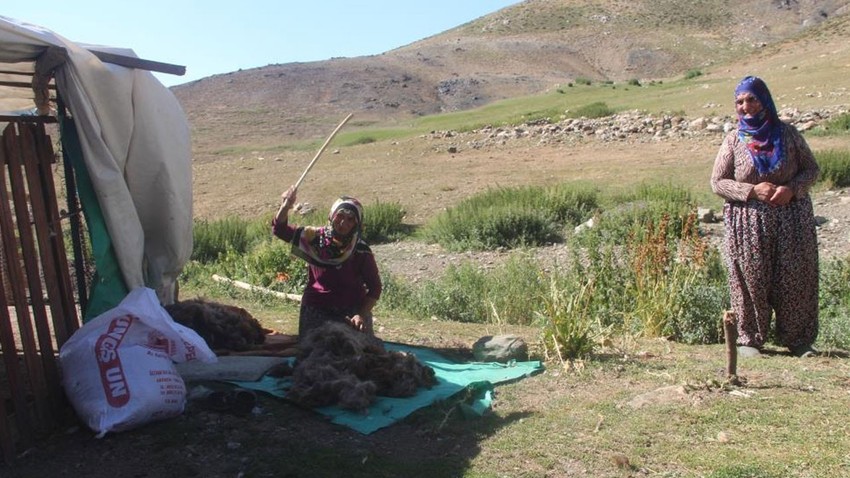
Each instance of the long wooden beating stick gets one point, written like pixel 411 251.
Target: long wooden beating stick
pixel 322 149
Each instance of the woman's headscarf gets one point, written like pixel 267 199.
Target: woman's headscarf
pixel 322 246
pixel 761 134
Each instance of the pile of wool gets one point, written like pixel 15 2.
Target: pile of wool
pixel 222 326
pixel 338 365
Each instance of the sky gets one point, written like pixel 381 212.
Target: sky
pixel 210 37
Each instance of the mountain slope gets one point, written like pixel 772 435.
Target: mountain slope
pixel 520 50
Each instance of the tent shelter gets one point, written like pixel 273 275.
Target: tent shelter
pixel 126 148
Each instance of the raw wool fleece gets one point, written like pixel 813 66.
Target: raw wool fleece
pixel 222 326
pixel 338 365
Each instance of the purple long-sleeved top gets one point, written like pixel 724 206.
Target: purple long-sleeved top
pixel 345 286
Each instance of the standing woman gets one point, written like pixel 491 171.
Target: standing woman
pixel 343 283
pixel 764 171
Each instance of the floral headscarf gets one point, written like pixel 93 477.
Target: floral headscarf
pixel 322 246
pixel 761 134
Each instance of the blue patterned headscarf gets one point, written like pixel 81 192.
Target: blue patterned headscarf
pixel 761 134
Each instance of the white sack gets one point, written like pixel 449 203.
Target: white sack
pixel 118 369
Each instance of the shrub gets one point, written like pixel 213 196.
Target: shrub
pixel 511 217
pixel 839 125
pixel 456 296
pixel 834 302
pixel 382 222
pixel 360 140
pixel 834 167
pixel 582 81
pixel 268 264
pixel 214 238
pixel 630 213
pixel 690 74
pixel 509 293
pixel 597 109
pixel 568 325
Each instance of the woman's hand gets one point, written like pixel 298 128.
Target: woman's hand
pixel 763 192
pixel 287 199
pixel 358 323
pixel 782 196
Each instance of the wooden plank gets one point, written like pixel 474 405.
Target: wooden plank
pixel 20 73
pixel 22 84
pixel 132 62
pixel 19 277
pixel 27 119
pixel 37 199
pixel 63 305
pixel 7 336
pixel 7 441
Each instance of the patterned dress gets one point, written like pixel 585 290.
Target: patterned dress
pixel 771 252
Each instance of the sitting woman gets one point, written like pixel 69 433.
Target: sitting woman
pixel 343 283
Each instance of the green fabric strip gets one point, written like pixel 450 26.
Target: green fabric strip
pixel 107 288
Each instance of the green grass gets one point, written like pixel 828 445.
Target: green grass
pixel 834 167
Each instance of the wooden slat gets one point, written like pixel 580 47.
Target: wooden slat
pixel 19 277
pixel 132 62
pixel 51 240
pixel 10 361
pixel 22 84
pixel 7 337
pixel 27 119
pixel 38 199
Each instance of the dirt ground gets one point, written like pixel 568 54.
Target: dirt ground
pixel 279 439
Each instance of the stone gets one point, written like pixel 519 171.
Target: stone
pixel 500 348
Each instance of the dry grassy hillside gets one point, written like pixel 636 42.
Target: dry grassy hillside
pixel 242 162
pixel 524 49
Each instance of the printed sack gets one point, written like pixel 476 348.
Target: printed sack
pixel 118 368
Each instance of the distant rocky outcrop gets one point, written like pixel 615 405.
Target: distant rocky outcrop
pixel 631 126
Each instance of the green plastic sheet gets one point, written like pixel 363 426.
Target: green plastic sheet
pixel 452 377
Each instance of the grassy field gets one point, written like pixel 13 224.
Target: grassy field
pixel 636 407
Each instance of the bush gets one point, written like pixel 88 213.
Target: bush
pixel 214 238
pixel 837 126
pixel 456 296
pixel 598 109
pixel 690 74
pixel 511 217
pixel 834 301
pixel 510 293
pixel 569 330
pixel 834 167
pixel 382 222
pixel 629 214
pixel 268 264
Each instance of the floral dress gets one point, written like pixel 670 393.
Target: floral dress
pixel 771 252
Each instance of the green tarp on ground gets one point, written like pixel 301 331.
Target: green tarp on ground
pixel 452 377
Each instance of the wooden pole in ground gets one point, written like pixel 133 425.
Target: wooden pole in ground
pixel 730 332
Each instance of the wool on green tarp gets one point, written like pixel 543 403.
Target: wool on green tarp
pixel 452 378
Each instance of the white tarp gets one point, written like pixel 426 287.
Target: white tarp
pixel 136 143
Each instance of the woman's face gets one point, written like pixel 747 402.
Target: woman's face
pixel 344 221
pixel 746 104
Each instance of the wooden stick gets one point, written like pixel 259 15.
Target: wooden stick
pixel 255 288
pixel 730 332
pixel 322 149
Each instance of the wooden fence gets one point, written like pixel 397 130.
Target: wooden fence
pixel 37 308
